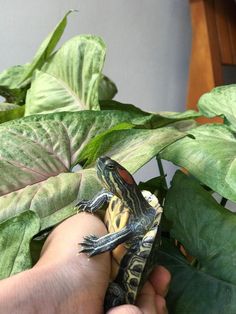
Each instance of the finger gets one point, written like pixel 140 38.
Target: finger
pixel 160 280
pixel 147 289
pixel 125 309
pixel 149 302
pixel 146 300
pixel 65 237
pixel 161 305
pixel 62 245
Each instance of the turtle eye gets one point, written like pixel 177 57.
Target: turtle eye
pixel 110 166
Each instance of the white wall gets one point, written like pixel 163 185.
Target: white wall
pixel 148 44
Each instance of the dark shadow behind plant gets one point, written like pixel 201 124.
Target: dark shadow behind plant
pixel 59 113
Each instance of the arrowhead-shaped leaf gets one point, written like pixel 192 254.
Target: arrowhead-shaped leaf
pixel 210 157
pixel 45 49
pixel 69 80
pixel 37 154
pixel 14 81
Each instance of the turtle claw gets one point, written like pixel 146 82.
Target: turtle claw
pixel 90 239
pixel 82 206
pixel 88 252
pixel 89 244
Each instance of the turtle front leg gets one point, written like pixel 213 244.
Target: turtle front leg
pixel 92 245
pixel 99 201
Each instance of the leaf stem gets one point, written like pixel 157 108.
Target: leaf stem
pixel 161 170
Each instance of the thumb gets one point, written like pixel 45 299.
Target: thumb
pixel 61 247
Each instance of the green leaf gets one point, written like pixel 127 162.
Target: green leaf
pixel 221 101
pixel 130 147
pixel 15 81
pixel 205 228
pixel 115 105
pixel 37 154
pixel 47 95
pixel 107 89
pixel 193 291
pixel 10 112
pixel 210 157
pixel 69 80
pixel 10 87
pixel 15 236
pixel 156 119
pixel 46 48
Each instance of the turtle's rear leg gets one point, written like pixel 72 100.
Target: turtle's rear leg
pixel 115 296
pixel 99 201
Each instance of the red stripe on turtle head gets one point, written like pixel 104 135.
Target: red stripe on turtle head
pixel 125 175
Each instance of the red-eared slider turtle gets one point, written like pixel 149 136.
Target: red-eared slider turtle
pixel 132 218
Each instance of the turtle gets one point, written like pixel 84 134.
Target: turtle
pixel 132 218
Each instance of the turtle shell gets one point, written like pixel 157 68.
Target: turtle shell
pixel 116 217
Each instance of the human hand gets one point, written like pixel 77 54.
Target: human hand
pixel 64 282
pixel 92 275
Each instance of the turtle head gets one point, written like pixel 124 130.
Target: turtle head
pixel 115 177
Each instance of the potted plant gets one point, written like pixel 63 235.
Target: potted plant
pixel 58 113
